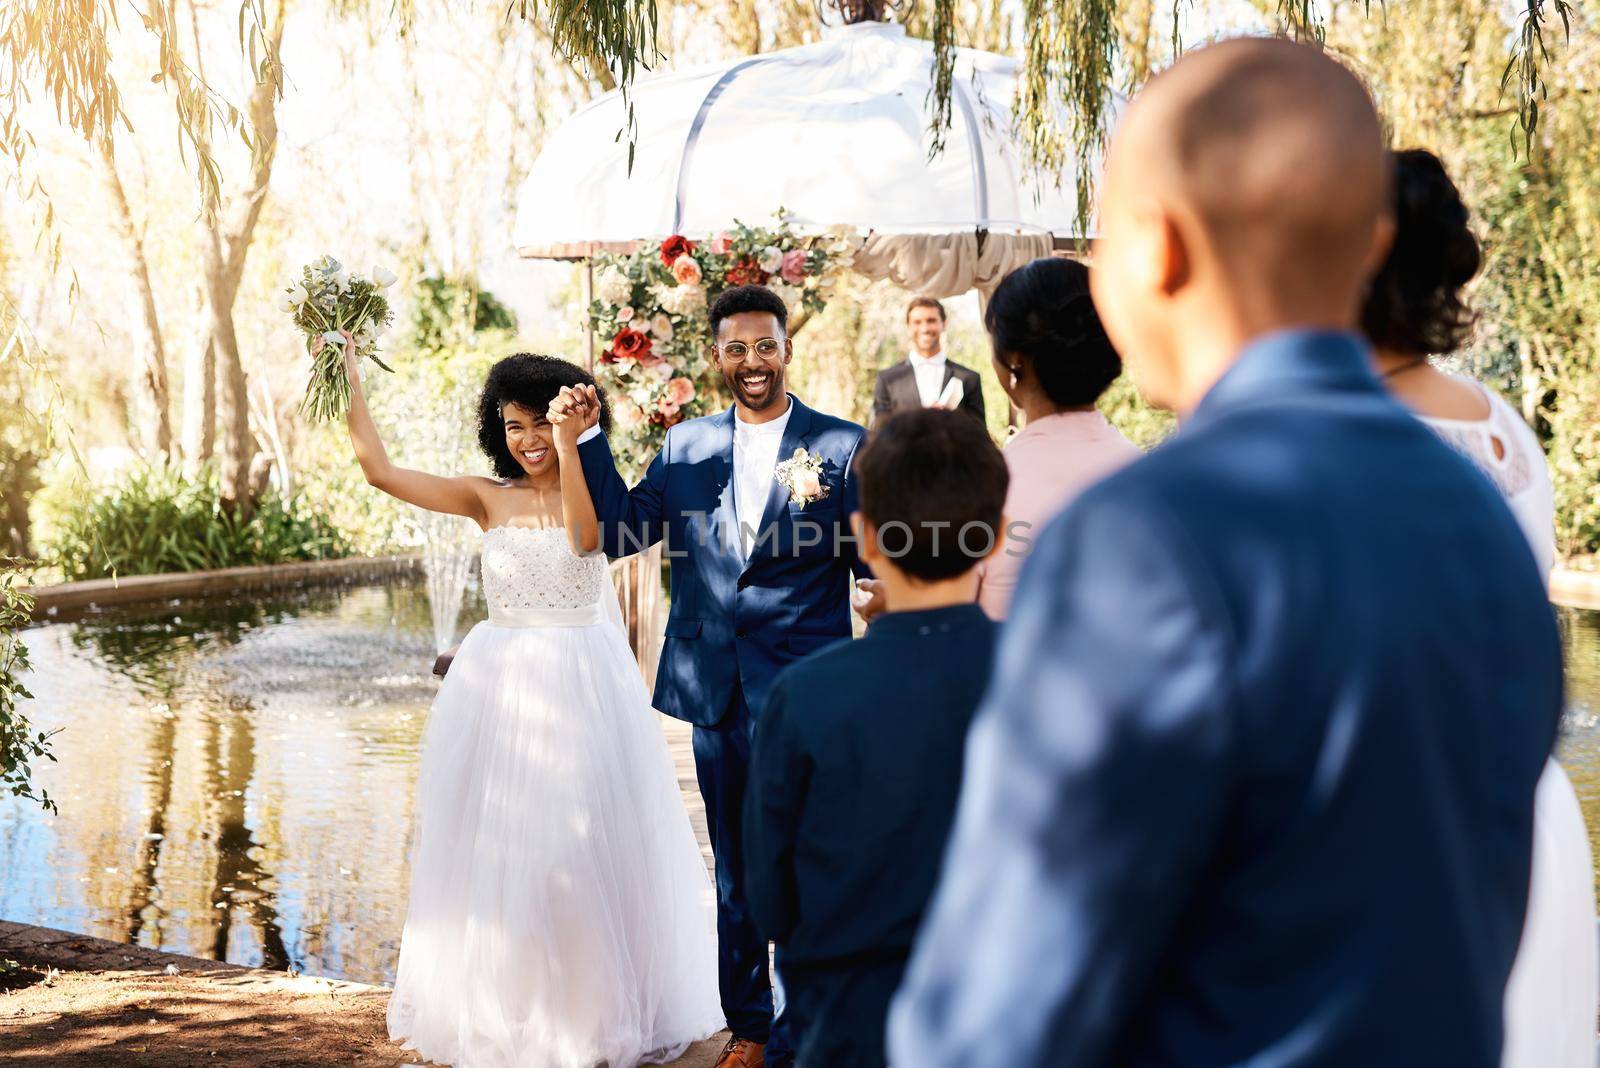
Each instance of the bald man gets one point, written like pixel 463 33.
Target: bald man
pixel 1254 782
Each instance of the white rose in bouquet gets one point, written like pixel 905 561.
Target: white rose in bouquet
pixel 661 326
pixel 771 259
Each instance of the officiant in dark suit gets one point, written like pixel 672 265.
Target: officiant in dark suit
pixel 923 379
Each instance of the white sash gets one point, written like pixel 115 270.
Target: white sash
pixel 586 616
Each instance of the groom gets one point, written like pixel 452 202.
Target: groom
pixel 761 575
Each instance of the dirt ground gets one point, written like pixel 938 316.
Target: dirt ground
pixel 132 1011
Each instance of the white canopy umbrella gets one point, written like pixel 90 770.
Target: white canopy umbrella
pixel 835 133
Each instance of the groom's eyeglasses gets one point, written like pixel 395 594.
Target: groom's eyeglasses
pixel 736 351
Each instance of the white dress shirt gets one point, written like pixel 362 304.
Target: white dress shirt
pixel 930 376
pixel 755 455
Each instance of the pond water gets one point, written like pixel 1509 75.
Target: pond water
pixel 235 781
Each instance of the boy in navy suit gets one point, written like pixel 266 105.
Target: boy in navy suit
pixel 851 797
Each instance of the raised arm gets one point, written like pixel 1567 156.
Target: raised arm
pixel 436 493
pixel 1066 871
pixel 630 521
pixel 577 506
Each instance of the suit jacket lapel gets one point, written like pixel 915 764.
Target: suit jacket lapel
pixel 725 519
pixel 906 388
pixel 795 433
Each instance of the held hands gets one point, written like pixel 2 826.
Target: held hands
pixel 869 598
pixel 575 410
pixel 352 362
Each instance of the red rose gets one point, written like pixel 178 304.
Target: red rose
pixel 747 272
pixel 628 345
pixel 675 246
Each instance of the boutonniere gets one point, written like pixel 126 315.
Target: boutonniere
pixel 801 475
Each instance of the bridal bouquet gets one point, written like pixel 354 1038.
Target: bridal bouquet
pixel 325 300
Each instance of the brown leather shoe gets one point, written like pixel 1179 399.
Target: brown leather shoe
pixel 742 1053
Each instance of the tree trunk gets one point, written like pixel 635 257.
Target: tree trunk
pixel 147 380
pixel 225 247
pixel 199 399
pixel 235 445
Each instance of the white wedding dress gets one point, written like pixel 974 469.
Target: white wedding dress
pixel 561 914
pixel 1553 992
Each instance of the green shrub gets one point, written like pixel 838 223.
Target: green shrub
pixel 155 520
pixel 20 745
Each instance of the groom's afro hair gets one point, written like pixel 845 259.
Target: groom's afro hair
pixel 531 382
pixel 737 299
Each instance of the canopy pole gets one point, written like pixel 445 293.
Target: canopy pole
pixel 588 326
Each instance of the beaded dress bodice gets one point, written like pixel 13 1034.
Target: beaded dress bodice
pixel 527 567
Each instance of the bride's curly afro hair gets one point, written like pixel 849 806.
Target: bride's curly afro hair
pixel 531 382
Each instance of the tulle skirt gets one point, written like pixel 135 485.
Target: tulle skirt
pixel 1552 995
pixel 560 915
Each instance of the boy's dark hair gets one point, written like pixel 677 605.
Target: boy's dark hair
pixel 1414 305
pixel 531 382
pixel 933 484
pixel 926 302
pixel 736 299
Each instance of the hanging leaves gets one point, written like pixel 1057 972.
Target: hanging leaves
pixel 1529 57
pixel 1071 55
pixel 63 47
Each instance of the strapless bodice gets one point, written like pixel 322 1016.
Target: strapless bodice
pixel 526 568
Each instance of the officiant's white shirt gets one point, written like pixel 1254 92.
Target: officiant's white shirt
pixel 755 457
pixel 930 376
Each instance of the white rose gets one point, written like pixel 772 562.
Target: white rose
pixel 684 300
pixel 297 294
pixel 661 326
pixel 625 314
pixel 663 370
pixel 790 295
pixel 771 259
pixel 613 287
pixel 382 277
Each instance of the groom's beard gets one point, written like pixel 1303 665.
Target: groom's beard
pixel 774 391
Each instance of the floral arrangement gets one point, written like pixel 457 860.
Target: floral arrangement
pixel 325 300
pixel 649 317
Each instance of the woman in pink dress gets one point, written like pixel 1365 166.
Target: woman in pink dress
pixel 1054 360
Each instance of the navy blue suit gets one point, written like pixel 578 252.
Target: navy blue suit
pixel 733 625
pixel 850 803
pixel 1254 783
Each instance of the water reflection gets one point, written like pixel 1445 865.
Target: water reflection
pixel 235 780
pixel 1579 748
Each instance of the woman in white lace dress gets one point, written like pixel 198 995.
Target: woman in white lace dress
pixel 1415 309
pixel 560 912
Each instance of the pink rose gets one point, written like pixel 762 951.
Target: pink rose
pixel 686 271
pixel 807 485
pixel 650 358
pixel 680 391
pixel 722 244
pixel 624 314
pixel 793 270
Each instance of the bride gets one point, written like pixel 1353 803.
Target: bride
pixel 560 909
